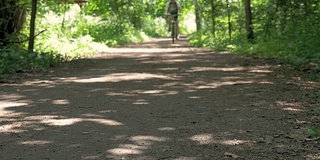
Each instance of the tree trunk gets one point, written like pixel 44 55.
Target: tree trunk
pixel 249 24
pixel 7 24
pixel 213 14
pixel 229 19
pixel 198 18
pixel 32 25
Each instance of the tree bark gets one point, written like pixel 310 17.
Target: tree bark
pixel 249 24
pixel 229 19
pixel 198 18
pixel 7 23
pixel 213 14
pixel 32 25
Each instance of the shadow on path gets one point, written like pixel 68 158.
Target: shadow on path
pixel 157 100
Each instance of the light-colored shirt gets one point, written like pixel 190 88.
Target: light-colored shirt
pixel 173 7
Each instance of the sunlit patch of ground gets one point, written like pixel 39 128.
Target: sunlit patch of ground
pixel 143 103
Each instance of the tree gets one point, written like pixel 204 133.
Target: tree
pixel 12 18
pixel 213 15
pixel 249 24
pixel 229 18
pixel 32 25
pixel 197 14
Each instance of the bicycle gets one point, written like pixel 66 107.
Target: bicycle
pixel 173 28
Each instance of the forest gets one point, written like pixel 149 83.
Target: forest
pixel 38 34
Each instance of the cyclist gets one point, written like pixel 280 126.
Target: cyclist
pixel 173 7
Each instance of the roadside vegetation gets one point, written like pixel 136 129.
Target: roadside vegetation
pixel 286 31
pixel 65 31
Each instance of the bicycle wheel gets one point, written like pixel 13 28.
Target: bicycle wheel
pixel 173 31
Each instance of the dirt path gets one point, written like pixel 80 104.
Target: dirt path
pixel 158 100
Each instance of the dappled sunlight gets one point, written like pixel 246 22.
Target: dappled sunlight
pixel 118 77
pixel 43 83
pixel 167 69
pixel 8 104
pixel 260 71
pixel 156 92
pixel 194 97
pixel 140 143
pixel 7 96
pixel 169 60
pixel 149 91
pixel 256 69
pixel 35 142
pixel 224 69
pixel 291 106
pixel 205 85
pixel 219 84
pixel 237 78
pixel 140 102
pixel 61 102
pixel 126 150
pixel 265 82
pixel 204 139
pixel 176 60
pixel 61 122
pixel 148 51
pixel 71 121
pixel 123 94
pixel 14 127
pixel 224 81
pixel 167 129
pixel 292 109
pixel 233 142
pixel 93 115
pixel 5 112
pixel 142 138
pixel 135 93
pixel 154 103
pixel 50 120
pixel 169 84
pixel 106 122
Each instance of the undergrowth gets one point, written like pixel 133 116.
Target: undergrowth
pixel 66 33
pixel 67 36
pixel 300 50
pixel 14 59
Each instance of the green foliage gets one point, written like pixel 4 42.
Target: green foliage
pixel 71 33
pixel 14 60
pixel 287 31
pixel 313 132
pixel 66 32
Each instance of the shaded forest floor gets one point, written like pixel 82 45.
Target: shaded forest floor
pixel 158 100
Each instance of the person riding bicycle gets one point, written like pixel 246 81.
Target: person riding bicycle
pixel 173 7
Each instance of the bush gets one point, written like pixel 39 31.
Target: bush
pixel 17 60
